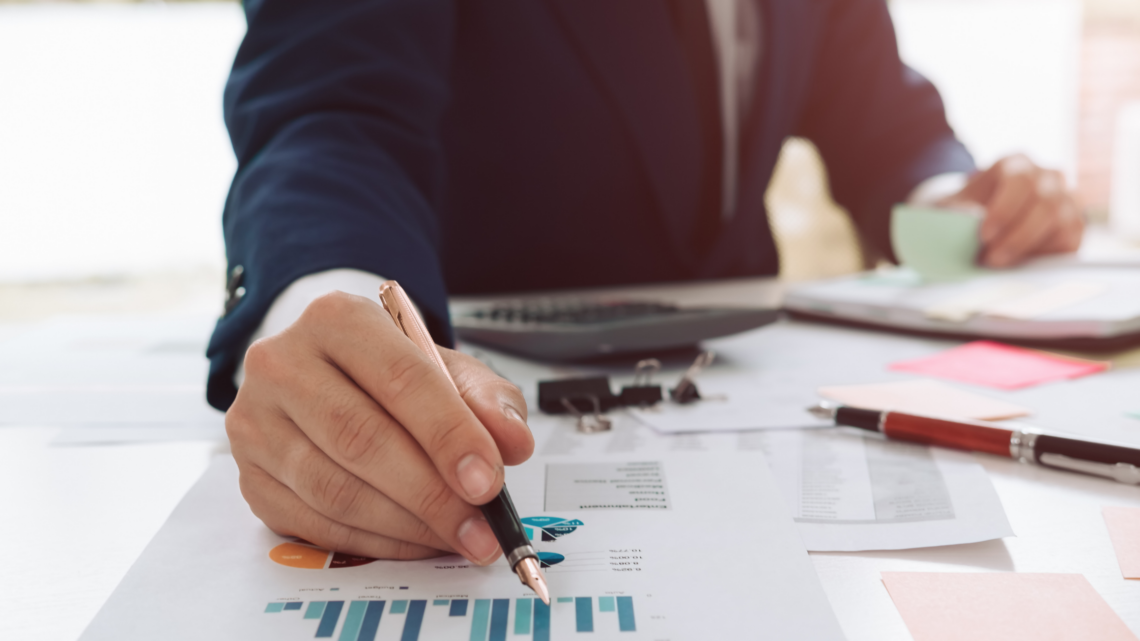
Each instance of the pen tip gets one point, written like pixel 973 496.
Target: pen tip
pixel 531 576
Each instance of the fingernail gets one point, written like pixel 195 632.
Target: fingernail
pixel 475 475
pixel 513 414
pixel 478 539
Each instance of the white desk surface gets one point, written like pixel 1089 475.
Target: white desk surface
pixel 74 518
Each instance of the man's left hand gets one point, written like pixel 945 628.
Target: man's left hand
pixel 1029 212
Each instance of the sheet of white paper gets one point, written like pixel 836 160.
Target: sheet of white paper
pixel 615 572
pixel 847 491
pixel 735 400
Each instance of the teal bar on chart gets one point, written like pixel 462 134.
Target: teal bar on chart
pixel 351 628
pixel 275 607
pixel 371 621
pixel 500 612
pixel 399 607
pixel 529 533
pixel 479 619
pixel 414 621
pixel 565 599
pixel 316 609
pixel 626 622
pixel 441 602
pixel 605 604
pixel 584 613
pixel 541 621
pixel 522 616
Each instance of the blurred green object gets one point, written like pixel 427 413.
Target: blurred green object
pixel 939 244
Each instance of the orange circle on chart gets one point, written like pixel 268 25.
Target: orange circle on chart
pixel 296 555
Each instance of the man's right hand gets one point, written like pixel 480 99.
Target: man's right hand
pixel 347 436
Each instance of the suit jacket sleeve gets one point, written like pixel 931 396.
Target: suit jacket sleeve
pixel 879 125
pixel 334 108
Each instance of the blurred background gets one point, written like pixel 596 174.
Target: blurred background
pixel 114 161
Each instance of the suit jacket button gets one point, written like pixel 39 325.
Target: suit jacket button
pixel 234 291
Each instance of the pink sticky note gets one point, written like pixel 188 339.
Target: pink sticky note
pixel 1000 366
pixel 1001 606
pixel 1124 530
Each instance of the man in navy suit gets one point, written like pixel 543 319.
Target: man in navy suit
pixel 497 145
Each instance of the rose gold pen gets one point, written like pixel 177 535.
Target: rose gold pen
pixel 500 512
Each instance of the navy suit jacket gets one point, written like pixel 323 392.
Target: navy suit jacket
pixel 483 146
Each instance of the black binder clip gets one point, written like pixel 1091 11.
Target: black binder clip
pixel 591 394
pixel 641 393
pixel 686 390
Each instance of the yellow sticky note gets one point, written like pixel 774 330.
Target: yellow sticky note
pixel 1001 606
pixel 1124 530
pixel 924 397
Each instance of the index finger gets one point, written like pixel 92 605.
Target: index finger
pixel 359 337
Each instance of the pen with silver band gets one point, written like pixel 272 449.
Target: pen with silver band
pixel 1116 462
pixel 500 512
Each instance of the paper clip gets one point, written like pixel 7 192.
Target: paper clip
pixel 686 390
pixel 589 423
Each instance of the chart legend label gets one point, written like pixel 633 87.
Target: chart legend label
pixel 606 486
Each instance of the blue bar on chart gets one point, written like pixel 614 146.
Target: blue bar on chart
pixel 584 613
pixel 275 607
pixel 371 621
pixel 541 621
pixel 328 619
pixel 606 604
pixel 479 619
pixel 399 607
pixel 293 605
pixel 441 602
pixel 352 621
pixel 316 609
pixel 625 614
pixel 458 608
pixel 414 620
pixel 500 608
pixel 522 615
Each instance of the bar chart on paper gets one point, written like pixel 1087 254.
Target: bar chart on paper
pixel 456 619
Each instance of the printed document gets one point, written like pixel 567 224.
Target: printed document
pixel 666 547
pixel 846 490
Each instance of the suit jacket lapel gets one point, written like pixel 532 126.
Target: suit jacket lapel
pixel 631 49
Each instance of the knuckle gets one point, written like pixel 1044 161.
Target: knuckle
pixel 260 359
pixel 339 493
pixel 432 500
pixel 422 533
pixel 360 434
pixel 406 551
pixel 445 435
pixel 405 372
pixel 335 536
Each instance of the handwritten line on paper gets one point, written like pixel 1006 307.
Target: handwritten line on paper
pixel 1001 366
pixel 1124 530
pixel 1001 606
pixel 924 397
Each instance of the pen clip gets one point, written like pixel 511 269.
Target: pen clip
pixel 1120 472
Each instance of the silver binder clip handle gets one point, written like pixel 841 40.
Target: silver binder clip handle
pixel 589 423
pixel 645 369
pixel 686 390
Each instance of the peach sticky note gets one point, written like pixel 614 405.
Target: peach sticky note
pixel 1002 606
pixel 923 397
pixel 1002 366
pixel 1124 530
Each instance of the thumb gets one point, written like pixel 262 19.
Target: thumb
pixel 497 403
